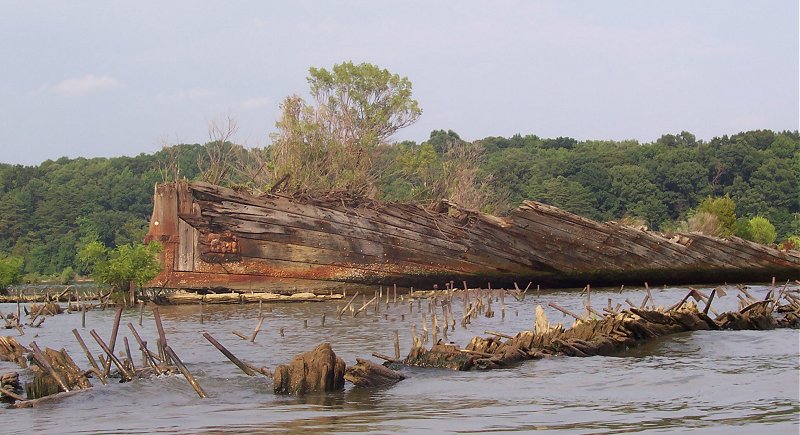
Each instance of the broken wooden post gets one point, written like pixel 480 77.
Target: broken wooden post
pixel 256 330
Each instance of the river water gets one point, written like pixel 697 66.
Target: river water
pixel 706 381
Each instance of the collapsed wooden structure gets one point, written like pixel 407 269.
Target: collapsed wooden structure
pixel 55 374
pixel 218 238
pixel 605 333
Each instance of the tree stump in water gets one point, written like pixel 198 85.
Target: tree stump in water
pixel 368 374
pixel 317 370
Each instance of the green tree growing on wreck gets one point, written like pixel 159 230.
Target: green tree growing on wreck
pixel 133 263
pixel 331 144
pixel 10 271
pixel 762 231
pixel 724 209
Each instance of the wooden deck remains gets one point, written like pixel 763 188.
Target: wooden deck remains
pixel 217 238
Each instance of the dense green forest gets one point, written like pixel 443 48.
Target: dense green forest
pixel 747 184
pixel 47 210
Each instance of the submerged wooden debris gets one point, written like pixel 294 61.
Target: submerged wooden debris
pixel 11 350
pixel 184 297
pixel 367 374
pixel 53 374
pixel 10 388
pixel 218 238
pixel 605 334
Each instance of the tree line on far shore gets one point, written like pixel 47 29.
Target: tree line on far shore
pixel 746 184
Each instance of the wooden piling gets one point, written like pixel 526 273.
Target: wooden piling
pixel 162 337
pixel 396 345
pixel 128 354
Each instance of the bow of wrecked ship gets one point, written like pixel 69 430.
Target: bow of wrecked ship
pixel 219 238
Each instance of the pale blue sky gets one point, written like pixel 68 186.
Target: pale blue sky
pixel 109 78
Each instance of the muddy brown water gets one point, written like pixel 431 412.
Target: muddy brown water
pixel 706 381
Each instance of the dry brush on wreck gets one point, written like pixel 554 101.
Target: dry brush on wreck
pixel 216 238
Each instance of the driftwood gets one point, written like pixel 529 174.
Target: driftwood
pixel 367 374
pixel 317 370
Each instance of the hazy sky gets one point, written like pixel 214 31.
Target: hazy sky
pixel 109 78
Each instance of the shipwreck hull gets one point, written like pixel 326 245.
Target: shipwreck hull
pixel 217 238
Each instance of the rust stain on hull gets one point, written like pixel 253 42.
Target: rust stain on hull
pixel 220 238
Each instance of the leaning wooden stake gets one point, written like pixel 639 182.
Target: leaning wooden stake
pixel 143 348
pixel 162 337
pixel 255 331
pixel 246 368
pixel 363 307
pixel 339 314
pixel 564 310
pixel 89 356
pixel 189 378
pixel 711 298
pixel 112 342
pixel 126 375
